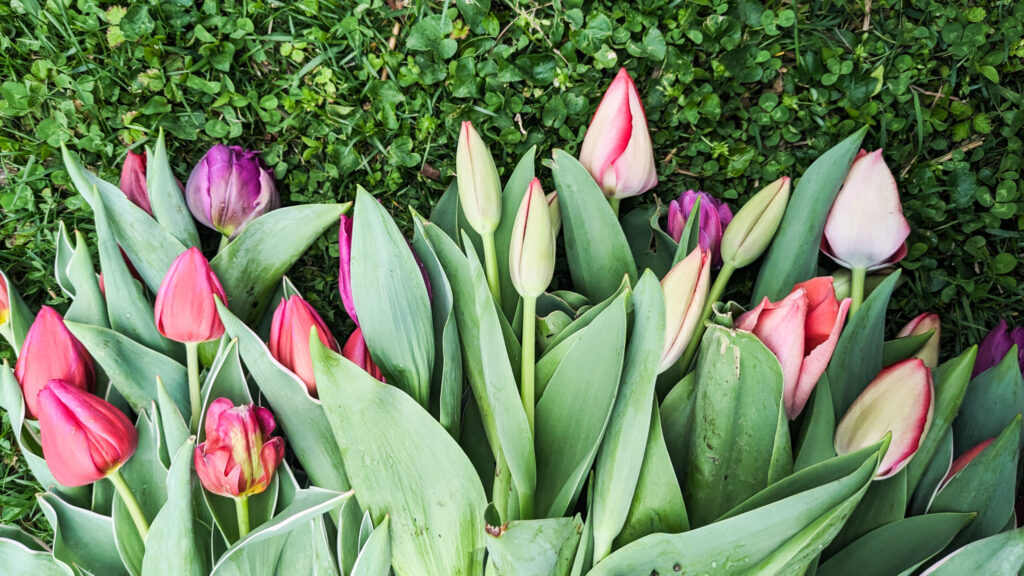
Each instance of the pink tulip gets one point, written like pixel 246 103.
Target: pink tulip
pixel 84 437
pixel 133 180
pixel 866 229
pixel 345 267
pixel 617 148
pixel 899 401
pixel 920 325
pixel 238 458
pixel 185 308
pixel 802 331
pixel 356 351
pixel 289 338
pixel 51 352
pixel 715 215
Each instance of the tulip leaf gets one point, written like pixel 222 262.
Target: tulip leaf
pixel 74 264
pixel 651 248
pixel 586 316
pixel 20 317
pixel 534 547
pixel 307 550
pixel 81 537
pixel 934 473
pixel 446 212
pixel 993 398
pixel 172 546
pixel 259 553
pixel 896 547
pixel 251 266
pixel 22 560
pixel 793 255
pixel 18 535
pixel 301 417
pixel 905 347
pixel 738 544
pixel 568 433
pixel 951 380
pixel 348 545
pixel 986 485
pixel 175 428
pixel 511 198
pixel 677 422
pixel 738 399
pixel 146 475
pixel 622 450
pixel 817 442
pixel 597 262
pixel 1000 554
pixel 858 355
pixel 884 502
pixel 166 198
pixel 375 556
pixel 404 464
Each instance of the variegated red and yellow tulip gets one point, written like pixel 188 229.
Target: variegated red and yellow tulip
pixel 238 458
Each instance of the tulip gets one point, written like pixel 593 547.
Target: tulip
pixel 899 401
pixel 5 301
pixel 920 325
pixel 802 331
pixel 133 180
pixel 555 211
pixel 289 338
pixel 51 352
pixel 345 267
pixel 617 148
pixel 355 350
pixel 229 188
pixel 532 252
pixel 714 217
pixel 686 291
pixel 480 196
pixel 238 458
pixel 996 345
pixel 751 231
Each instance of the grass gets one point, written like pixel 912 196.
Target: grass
pixel 340 94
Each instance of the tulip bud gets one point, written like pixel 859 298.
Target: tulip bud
pixel 345 267
pixel 238 458
pixel 996 345
pixel 531 258
pixel 686 291
pixel 479 189
pixel 229 188
pixel 617 148
pixel 929 353
pixel 51 352
pixel 715 215
pixel 133 180
pixel 84 437
pixel 555 212
pixel 185 309
pixel 752 229
pixel 865 228
pixel 289 338
pixel 898 401
pixel 5 302
pixel 355 350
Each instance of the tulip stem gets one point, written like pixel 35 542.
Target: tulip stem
pixel 242 512
pixel 717 289
pixel 856 289
pixel 529 334
pixel 224 241
pixel 192 354
pixel 614 203
pixel 130 502
pixel 491 264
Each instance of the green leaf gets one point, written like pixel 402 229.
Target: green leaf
pixel 391 300
pixel 622 450
pixel 817 442
pixel 165 197
pixel 677 422
pixel 404 464
pixel 1001 554
pixel 738 399
pixel 597 262
pixel 81 537
pixel 146 475
pixel 885 502
pixel 307 550
pixel 172 546
pixel 993 398
pixel 858 355
pixel 511 198
pixel 251 266
pixel 175 428
pixel 20 319
pixel 534 547
pixel 20 560
pixel 348 545
pixel 650 247
pixel 933 475
pixel 896 547
pixel 900 349
pixel 793 254
pixel 375 557
pixel 74 265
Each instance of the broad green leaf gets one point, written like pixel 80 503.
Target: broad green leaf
pixel 569 432
pixel 391 300
pixel 858 355
pixel 597 262
pixel 18 535
pixel 74 264
pixel 900 349
pixel 993 398
pixel 172 546
pixel 146 475
pixel 933 475
pixel 677 422
pixel 20 560
pixel 884 503
pixel 534 547
pixel 251 266
pixel 622 450
pixel 737 403
pixel 404 464
pixel 895 547
pixel 511 197
pixel 165 197
pixel 175 428
pixel 793 254
pixel 1000 554
pixel 817 442
pixel 375 556
pixel 308 551
pixel 81 537
pixel 20 319
pixel 445 214
pixel 650 247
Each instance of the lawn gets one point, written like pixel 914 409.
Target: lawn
pixel 344 94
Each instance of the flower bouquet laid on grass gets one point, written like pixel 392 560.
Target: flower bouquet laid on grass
pixel 189 413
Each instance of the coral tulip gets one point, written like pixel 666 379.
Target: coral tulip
pixel 997 344
pixel 356 351
pixel 686 291
pixel 51 352
pixel 289 337
pixel 229 188
pixel 133 180
pixel 715 215
pixel 920 325
pixel 185 309
pixel 238 458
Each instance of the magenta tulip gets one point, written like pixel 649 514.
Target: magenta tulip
pixel 229 188
pixel 289 338
pixel 345 267
pixel 133 180
pixel 185 307
pixel 356 351
pixel 238 458
pixel 997 344
pixel 51 352
pixel 715 215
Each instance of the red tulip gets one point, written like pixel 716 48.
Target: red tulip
pixel 84 437
pixel 802 331
pixel 133 180
pixel 238 458
pixel 920 325
pixel 289 337
pixel 51 352
pixel 185 309
pixel 355 350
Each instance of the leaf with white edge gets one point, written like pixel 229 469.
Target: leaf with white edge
pixel 534 547
pixel 81 537
pixel 20 560
pixel 146 475
pixel 933 475
pixel 511 197
pixel 20 317
pixel 308 551
pixel 1000 554
pixel 375 557
pixel 172 546
pixel 166 198
pixel 348 535
pixel 74 265
pixel 175 428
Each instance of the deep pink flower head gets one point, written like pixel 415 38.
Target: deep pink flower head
pixel 133 180
pixel 715 215
pixel 51 352
pixel 239 457
pixel 185 310
pixel 356 351
pixel 345 266
pixel 995 346
pixel 229 188
pixel 289 338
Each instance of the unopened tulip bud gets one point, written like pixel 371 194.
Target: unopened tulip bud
pixel 899 401
pixel 133 180
pixel 926 322
pixel 479 188
pixel 752 229
pixel 185 309
pixel 355 350
pixel 345 267
pixel 996 344
pixel 84 437
pixel 238 458
pixel 715 216
pixel 531 257
pixel 229 188
pixel 555 211
pixel 289 338
pixel 51 352
pixel 686 291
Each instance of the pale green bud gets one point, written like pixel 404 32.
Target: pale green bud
pixel 531 258
pixel 479 189
pixel 754 226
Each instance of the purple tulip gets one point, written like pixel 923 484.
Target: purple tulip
pixel 995 346
pixel 345 267
pixel 229 188
pixel 715 215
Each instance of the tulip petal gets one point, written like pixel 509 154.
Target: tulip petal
pixel 816 362
pixel 686 291
pixel 993 348
pixel 822 308
pixel 780 326
pixel 635 171
pixel 610 129
pixel 51 352
pixel 345 267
